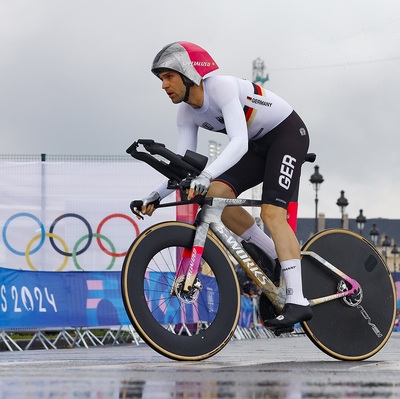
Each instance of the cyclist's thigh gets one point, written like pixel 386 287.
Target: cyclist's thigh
pixel 288 147
pixel 221 189
pixel 246 173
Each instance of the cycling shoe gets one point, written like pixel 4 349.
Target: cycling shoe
pixel 290 315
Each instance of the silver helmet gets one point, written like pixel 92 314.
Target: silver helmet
pixel 188 59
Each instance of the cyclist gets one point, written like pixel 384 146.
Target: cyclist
pixel 267 144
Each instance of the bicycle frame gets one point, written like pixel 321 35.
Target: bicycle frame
pixel 209 218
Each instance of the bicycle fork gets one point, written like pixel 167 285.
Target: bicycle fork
pixel 190 262
pixel 189 265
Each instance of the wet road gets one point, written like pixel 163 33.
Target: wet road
pixel 262 368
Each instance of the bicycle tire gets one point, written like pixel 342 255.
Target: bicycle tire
pixel 341 331
pixel 165 323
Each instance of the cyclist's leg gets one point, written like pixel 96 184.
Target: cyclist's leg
pixel 247 173
pixel 296 308
pixel 287 245
pixel 288 145
pixel 236 218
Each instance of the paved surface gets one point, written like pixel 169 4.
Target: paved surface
pixel 262 368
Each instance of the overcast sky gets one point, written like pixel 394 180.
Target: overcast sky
pixel 75 79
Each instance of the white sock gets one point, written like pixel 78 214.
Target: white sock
pixel 294 288
pixel 256 236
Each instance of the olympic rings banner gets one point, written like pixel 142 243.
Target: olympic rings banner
pixel 72 216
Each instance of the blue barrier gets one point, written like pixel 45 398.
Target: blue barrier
pixel 37 299
pixel 30 299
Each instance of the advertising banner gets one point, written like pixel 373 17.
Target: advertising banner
pixel 31 299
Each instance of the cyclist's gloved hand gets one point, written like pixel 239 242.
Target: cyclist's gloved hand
pixel 152 198
pixel 150 202
pixel 201 183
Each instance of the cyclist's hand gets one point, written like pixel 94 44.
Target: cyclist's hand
pixel 149 203
pixel 199 185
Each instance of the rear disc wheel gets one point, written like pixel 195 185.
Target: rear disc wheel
pixel 352 328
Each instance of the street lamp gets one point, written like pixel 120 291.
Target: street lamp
pixel 361 220
pixel 385 245
pixel 259 76
pixel 342 203
pixel 316 179
pixel 374 233
pixel 395 252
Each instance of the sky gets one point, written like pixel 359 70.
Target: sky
pixel 75 79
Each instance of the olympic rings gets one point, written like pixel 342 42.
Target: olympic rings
pixel 89 235
pixel 29 215
pixel 62 248
pixel 115 215
pixel 50 235
pixel 74 252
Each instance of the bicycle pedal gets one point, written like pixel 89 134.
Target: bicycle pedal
pixel 283 330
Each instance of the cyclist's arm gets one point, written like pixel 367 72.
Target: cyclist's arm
pixel 187 130
pixel 187 140
pixel 225 95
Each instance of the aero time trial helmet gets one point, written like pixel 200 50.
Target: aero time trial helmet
pixel 188 59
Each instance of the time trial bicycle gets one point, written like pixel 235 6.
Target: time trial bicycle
pixel 182 295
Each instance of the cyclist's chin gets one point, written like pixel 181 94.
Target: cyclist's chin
pixel 176 99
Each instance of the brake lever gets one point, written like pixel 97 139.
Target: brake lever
pixel 135 206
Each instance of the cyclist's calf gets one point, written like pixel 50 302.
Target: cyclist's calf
pixel 286 244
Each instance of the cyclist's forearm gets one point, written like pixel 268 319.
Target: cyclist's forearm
pixel 162 189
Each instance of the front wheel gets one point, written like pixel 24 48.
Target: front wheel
pixel 193 327
pixel 348 328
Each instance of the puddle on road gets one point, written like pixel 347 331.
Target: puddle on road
pixel 105 388
pixel 268 389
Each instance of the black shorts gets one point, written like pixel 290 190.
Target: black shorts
pixel 274 160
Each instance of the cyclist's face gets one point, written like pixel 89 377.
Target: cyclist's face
pixel 173 85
